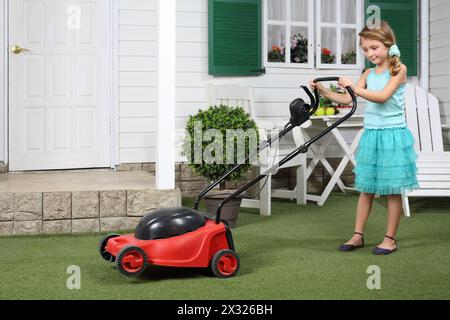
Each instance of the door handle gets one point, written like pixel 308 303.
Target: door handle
pixel 17 49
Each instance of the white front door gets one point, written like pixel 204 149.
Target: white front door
pixel 59 92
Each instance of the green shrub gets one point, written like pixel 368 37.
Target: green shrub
pixel 221 118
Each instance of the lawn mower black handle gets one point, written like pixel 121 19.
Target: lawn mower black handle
pixel 324 79
pixel 337 123
pixel 264 145
pixel 297 119
pixel 302 149
pixel 311 98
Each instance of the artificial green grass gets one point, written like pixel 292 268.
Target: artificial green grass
pixel 289 255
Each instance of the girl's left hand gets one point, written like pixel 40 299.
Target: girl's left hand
pixel 346 82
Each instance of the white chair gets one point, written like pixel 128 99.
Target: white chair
pixel 424 121
pixel 234 95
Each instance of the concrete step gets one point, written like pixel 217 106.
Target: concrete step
pixel 78 202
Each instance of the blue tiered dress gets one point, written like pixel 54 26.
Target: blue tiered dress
pixel 385 158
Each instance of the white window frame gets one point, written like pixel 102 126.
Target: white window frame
pixel 338 26
pixel 288 24
pixel 314 25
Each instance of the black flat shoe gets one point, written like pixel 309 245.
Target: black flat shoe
pixel 350 247
pixel 381 251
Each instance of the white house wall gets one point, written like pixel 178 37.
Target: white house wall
pixel 273 91
pixel 3 81
pixel 138 23
pixel 440 58
pixel 137 76
pixel 137 73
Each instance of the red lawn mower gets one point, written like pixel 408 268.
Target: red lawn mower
pixel 185 237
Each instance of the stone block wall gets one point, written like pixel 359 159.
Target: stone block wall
pixel 191 184
pixel 3 167
pixel 79 212
pixel 94 211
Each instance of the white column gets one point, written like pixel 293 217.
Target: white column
pixel 3 82
pixel 424 73
pixel 165 161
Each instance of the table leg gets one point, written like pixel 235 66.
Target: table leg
pixel 331 171
pixel 319 157
pixel 318 154
pixel 348 157
pixel 343 144
pixel 333 181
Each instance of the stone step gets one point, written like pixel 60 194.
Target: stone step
pixel 78 202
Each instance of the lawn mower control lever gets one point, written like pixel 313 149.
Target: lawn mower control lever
pixel 311 98
pixel 300 111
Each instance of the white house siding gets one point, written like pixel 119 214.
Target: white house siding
pixel 3 81
pixel 440 58
pixel 137 76
pixel 273 91
pixel 137 63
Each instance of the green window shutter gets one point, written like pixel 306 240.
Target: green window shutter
pixel 402 17
pixel 234 36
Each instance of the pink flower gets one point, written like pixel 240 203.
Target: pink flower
pixel 293 43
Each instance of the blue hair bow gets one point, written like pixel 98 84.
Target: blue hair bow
pixel 394 51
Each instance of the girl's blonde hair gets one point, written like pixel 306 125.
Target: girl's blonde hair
pixel 385 35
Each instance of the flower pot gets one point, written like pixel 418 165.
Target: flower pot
pixel 230 211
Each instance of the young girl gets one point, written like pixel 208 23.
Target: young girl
pixel 385 159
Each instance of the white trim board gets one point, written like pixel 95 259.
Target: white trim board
pixel 4 81
pixel 165 135
pixel 115 112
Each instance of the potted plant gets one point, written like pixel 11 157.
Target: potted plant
pixel 276 54
pixel 327 56
pixel 349 57
pixel 217 139
pixel 299 49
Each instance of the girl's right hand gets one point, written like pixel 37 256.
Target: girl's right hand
pixel 313 85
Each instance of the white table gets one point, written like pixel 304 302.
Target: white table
pixel 319 147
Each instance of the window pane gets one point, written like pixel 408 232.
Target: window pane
pixel 276 43
pixel 328 10
pixel 299 45
pixel 328 54
pixel 348 8
pixel 276 9
pixel 348 46
pixel 299 9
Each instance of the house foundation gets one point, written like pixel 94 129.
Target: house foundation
pixel 55 203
